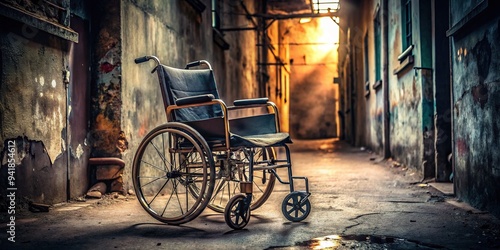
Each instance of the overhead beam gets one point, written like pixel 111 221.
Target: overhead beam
pixel 238 29
pixel 292 16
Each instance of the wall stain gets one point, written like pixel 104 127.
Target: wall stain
pixel 480 94
pixel 482 52
pixel 462 147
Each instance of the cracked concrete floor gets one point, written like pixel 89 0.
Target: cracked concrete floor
pixel 358 202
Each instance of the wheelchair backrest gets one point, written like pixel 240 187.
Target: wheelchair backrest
pixel 178 83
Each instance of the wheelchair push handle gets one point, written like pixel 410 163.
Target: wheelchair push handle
pixel 141 59
pixel 147 58
pixel 198 63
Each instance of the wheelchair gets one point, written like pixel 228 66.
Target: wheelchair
pixel 202 157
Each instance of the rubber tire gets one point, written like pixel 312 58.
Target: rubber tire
pixel 293 210
pixel 233 214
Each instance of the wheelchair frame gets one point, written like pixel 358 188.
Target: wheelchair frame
pixel 178 171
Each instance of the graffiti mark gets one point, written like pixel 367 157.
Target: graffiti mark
pixel 106 67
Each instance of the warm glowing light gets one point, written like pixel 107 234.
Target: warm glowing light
pixel 327 242
pixel 305 20
pixel 329 34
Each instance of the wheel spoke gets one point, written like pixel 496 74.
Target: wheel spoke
pixel 220 187
pixel 157 178
pixel 177 196
pixel 154 197
pixel 236 217
pixel 154 166
pixel 162 156
pixel 302 210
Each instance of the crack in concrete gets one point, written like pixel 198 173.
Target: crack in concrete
pixel 357 223
pixel 386 212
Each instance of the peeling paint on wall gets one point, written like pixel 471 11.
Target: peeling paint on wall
pixel 79 151
pixel 107 139
pixel 34 167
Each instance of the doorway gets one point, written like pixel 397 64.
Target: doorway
pixel 442 91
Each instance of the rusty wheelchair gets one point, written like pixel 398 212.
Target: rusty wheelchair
pixel 202 157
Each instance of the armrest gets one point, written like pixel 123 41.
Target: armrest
pixel 253 101
pixel 198 101
pixel 194 99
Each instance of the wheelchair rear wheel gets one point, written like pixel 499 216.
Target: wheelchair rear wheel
pixel 227 183
pixel 171 160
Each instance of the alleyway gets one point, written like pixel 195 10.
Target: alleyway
pixel 358 202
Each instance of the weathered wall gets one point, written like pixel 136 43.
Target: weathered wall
pixel 363 103
pixel 419 106
pixel 411 98
pixel 411 129
pixel 313 96
pixel 177 34
pixel 476 99
pixel 33 107
pixel 405 98
pixel 362 34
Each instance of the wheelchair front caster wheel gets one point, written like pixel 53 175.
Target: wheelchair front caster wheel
pixel 296 206
pixel 237 212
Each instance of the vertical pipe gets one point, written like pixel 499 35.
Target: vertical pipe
pixel 68 153
pixel 67 79
pixel 352 90
pixel 452 104
pixel 264 90
pixel 385 78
